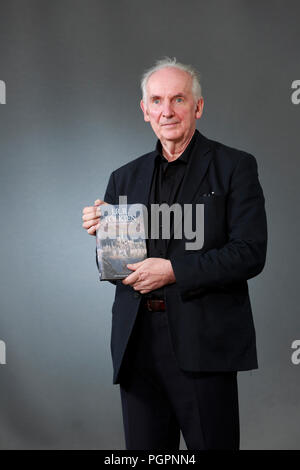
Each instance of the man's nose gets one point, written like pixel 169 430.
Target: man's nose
pixel 168 110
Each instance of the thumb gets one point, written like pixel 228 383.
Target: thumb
pixel 134 266
pixel 98 202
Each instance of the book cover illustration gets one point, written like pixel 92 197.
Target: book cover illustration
pixel 120 239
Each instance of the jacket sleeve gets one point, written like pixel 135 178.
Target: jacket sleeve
pixel 244 254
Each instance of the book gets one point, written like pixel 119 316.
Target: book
pixel 120 239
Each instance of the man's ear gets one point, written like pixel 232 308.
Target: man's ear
pixel 145 111
pixel 199 108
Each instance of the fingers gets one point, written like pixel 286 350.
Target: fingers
pixel 92 230
pixel 142 287
pixel 139 286
pixel 90 210
pixel 98 202
pixel 91 216
pixel 138 280
pixel 88 223
pixel 131 278
pixel 130 266
pixel 135 266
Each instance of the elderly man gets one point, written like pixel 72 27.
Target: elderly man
pixel 182 324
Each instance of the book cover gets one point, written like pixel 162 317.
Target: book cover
pixel 120 239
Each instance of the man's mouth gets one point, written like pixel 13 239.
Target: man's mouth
pixel 169 124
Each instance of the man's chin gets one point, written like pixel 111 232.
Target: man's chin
pixel 171 134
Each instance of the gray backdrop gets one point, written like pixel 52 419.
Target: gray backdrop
pixel 72 116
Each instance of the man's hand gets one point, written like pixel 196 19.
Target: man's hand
pixel 91 217
pixel 150 274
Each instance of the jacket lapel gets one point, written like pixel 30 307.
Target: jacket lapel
pixel 196 170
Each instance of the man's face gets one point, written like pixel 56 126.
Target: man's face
pixel 170 105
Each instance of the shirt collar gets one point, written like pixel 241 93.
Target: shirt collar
pixel 183 158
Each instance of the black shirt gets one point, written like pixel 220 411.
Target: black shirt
pixel 166 181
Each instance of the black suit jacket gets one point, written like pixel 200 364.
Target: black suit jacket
pixel 209 311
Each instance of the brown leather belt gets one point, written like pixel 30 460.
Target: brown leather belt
pixel 154 305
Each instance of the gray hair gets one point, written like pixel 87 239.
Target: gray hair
pixel 168 62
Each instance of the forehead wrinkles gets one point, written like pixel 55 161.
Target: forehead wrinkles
pixel 169 84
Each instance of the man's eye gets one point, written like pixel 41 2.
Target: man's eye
pixel 179 100
pixel 156 101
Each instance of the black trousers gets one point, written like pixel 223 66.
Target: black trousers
pixel 159 400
